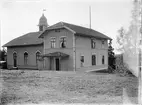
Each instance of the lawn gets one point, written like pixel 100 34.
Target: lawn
pixel 24 87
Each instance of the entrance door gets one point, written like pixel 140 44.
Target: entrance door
pixel 57 64
pixel 15 63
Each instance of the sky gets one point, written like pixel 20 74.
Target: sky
pixel 19 17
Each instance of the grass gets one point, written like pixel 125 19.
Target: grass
pixel 65 87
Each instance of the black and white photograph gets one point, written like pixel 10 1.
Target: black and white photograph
pixel 86 52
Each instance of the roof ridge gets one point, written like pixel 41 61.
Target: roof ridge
pixel 76 25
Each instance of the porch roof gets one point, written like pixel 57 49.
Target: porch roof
pixel 55 54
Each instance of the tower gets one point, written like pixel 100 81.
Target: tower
pixel 42 23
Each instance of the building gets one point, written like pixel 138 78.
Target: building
pixel 62 46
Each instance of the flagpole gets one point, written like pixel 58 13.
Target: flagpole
pixel 90 15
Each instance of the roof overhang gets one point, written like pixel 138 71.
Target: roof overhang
pixel 92 36
pixel 55 54
pixel 22 45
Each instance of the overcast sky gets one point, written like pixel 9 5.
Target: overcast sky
pixel 19 17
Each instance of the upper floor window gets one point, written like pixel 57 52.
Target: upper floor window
pixel 93 59
pixel 103 59
pixel 37 57
pixel 63 42
pixel 53 42
pixel 103 43
pixel 25 58
pixel 93 43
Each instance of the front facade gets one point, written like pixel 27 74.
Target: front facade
pixel 82 52
pixel 62 46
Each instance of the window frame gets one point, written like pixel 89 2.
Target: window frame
pixel 103 43
pixel 93 43
pixel 82 60
pixel 57 30
pixel 65 41
pixel 37 57
pixel 94 59
pixel 53 42
pixel 26 58
pixel 41 28
pixel 15 54
pixel 103 59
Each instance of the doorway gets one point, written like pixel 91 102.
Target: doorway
pixel 57 64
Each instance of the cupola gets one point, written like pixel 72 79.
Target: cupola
pixel 42 23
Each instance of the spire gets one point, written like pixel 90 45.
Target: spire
pixel 42 22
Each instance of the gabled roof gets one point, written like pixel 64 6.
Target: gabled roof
pixel 27 39
pixel 77 30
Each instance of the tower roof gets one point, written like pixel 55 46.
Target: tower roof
pixel 43 21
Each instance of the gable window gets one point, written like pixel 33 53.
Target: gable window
pixel 63 42
pixel 93 43
pixel 57 30
pixel 53 42
pixel 103 43
pixel 25 58
pixel 103 59
pixel 94 59
pixel 37 57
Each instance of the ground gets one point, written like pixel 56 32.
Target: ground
pixel 29 86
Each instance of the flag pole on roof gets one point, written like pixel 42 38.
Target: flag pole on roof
pixel 90 15
pixel 44 10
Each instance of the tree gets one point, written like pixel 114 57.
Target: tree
pixel 128 40
pixel 121 39
pixel 3 54
pixel 111 57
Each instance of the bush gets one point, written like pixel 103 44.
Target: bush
pixel 121 67
pixel 3 65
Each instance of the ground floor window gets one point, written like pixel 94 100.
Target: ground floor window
pixel 93 59
pixel 37 57
pixel 82 60
pixel 103 59
pixel 25 58
pixel 15 59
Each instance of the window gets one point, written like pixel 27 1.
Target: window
pixel 25 58
pixel 82 60
pixel 41 28
pixel 93 59
pixel 15 59
pixel 14 55
pixel 93 43
pixel 57 30
pixel 103 43
pixel 103 59
pixel 37 57
pixel 63 42
pixel 53 42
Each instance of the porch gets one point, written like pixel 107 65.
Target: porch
pixel 56 61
